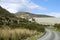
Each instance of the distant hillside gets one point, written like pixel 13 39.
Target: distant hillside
pixel 27 14
pixel 5 13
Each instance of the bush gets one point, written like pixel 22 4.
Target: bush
pixel 57 26
pixel 23 23
pixel 33 26
pixel 29 25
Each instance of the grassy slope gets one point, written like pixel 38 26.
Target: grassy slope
pixel 5 13
pixel 11 30
pixel 31 15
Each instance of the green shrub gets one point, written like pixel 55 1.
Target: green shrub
pixel 57 26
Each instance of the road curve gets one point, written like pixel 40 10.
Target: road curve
pixel 50 35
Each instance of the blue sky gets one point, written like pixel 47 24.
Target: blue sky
pixel 48 7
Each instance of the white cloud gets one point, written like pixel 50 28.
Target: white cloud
pixel 34 6
pixel 15 5
pixel 54 14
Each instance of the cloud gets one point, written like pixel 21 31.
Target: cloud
pixel 18 5
pixel 54 14
pixel 34 6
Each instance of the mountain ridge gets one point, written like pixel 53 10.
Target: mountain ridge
pixel 19 14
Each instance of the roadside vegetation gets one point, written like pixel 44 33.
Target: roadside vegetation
pixel 21 31
pixel 57 27
pixel 16 34
pixel 13 28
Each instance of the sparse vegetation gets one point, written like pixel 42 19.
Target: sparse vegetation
pixel 29 15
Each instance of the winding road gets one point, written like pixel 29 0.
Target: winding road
pixel 50 35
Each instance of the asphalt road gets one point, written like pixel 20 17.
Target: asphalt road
pixel 50 35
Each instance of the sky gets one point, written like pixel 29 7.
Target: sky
pixel 47 7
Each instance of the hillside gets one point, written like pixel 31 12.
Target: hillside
pixel 6 18
pixel 27 14
pixel 5 13
pixel 13 28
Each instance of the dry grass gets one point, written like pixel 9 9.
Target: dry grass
pixel 16 34
pixel 47 20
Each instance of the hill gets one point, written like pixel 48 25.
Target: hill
pixel 5 13
pixel 13 28
pixel 27 14
pixel 9 20
pixel 6 18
